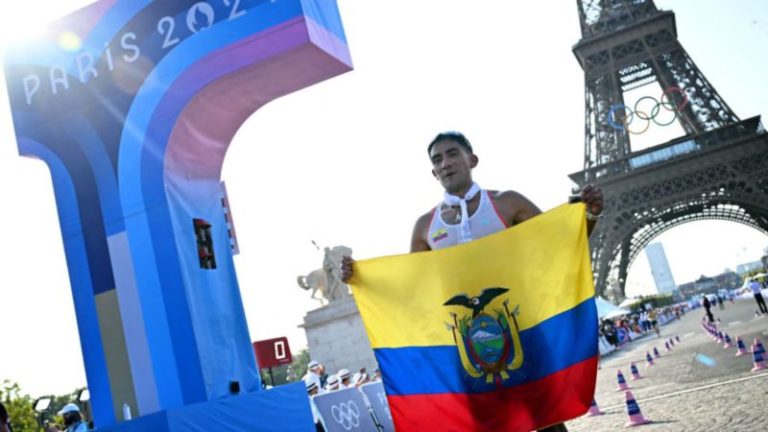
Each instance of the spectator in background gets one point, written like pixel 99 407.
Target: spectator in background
pixel 344 376
pixel 376 375
pixel 313 374
pixel 708 306
pixel 359 378
pixel 653 317
pixel 757 291
pixel 643 321
pixel 333 383
pixel 73 420
pixel 5 422
pixel 312 390
pixel 323 375
pixel 610 333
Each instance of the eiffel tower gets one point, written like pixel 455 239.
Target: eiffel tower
pixel 717 170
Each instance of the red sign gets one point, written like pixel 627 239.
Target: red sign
pixel 272 352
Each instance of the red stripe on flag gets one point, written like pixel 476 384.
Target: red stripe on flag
pixel 558 397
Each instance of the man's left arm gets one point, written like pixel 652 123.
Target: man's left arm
pixel 515 208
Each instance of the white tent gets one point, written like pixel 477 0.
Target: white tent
pixel 608 310
pixel 617 313
pixel 628 302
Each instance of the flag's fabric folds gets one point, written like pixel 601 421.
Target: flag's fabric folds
pixel 499 334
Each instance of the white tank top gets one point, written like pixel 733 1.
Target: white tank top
pixel 485 221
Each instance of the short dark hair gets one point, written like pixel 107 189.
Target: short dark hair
pixel 3 414
pixel 455 136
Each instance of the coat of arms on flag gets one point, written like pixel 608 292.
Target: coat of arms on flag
pixel 488 341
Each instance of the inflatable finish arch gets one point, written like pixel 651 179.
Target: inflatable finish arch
pixel 132 104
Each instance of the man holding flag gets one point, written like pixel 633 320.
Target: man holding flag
pixel 485 383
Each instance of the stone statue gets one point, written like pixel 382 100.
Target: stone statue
pixel 327 280
pixel 316 282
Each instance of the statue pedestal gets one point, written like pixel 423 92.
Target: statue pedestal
pixel 337 338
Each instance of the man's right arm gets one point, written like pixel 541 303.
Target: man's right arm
pixel 419 236
pixel 418 244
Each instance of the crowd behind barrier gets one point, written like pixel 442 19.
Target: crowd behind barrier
pixel 616 332
pixel 347 402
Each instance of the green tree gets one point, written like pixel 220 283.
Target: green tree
pixel 288 373
pixel 299 365
pixel 19 407
pixel 656 301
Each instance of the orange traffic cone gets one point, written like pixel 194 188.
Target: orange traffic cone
pixel 758 359
pixel 727 343
pixel 759 345
pixel 656 353
pixel 594 410
pixel 633 412
pixel 740 348
pixel 622 382
pixel 648 359
pixel 635 372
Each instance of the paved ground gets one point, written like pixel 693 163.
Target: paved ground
pixel 683 391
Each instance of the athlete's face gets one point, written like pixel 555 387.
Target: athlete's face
pixel 452 165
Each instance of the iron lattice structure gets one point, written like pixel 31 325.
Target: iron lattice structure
pixel 717 170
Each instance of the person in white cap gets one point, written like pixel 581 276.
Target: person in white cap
pixel 344 376
pixel 332 384
pixel 313 374
pixel 359 378
pixel 312 390
pixel 73 420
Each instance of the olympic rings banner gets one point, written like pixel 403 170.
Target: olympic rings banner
pixel 377 398
pixel 647 110
pixel 344 411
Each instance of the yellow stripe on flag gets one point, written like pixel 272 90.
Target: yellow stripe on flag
pixel 544 263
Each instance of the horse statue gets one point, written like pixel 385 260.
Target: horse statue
pixel 315 281
pixel 327 280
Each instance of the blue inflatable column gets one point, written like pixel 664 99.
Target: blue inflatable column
pixel 133 104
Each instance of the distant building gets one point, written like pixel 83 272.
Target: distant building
pixel 764 260
pixel 687 290
pixel 711 285
pixel 706 285
pixel 728 280
pixel 749 267
pixel 662 274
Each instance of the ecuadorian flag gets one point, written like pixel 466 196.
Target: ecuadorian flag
pixel 499 334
